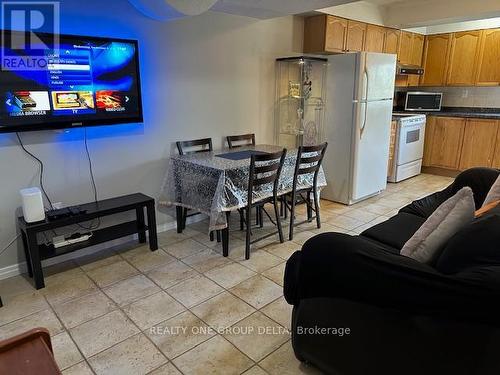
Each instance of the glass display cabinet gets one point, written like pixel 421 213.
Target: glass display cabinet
pixel 300 101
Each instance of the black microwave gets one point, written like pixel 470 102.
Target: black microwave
pixel 419 101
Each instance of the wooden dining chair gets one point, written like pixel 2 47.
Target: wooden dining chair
pixel 265 171
pixel 309 159
pixel 234 141
pixel 201 145
pixel 192 147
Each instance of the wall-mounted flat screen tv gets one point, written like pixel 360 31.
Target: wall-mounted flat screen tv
pixel 64 81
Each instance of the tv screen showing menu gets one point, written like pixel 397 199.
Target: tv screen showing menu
pixel 65 81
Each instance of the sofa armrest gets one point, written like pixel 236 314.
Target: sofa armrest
pixel 335 265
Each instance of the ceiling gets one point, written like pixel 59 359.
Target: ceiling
pixel 396 13
pixel 172 9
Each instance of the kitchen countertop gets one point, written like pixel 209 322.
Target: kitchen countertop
pixel 470 112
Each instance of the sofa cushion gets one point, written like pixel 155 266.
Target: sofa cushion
pixel 477 245
pixel 396 231
pixel 494 193
pixel 448 219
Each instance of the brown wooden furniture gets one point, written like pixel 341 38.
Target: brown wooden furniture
pixel 464 51
pixel 356 35
pixel 331 34
pixel 436 51
pixel 405 45
pixel 488 68
pixel 29 353
pixel 199 145
pixel 234 141
pixel 391 41
pixel 374 39
pixel 467 58
pixel 309 159
pixel 456 144
pixel 265 170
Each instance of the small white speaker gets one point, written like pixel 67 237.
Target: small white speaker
pixel 32 205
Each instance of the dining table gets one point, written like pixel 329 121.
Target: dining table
pixel 216 182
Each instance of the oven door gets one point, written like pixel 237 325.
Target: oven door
pixel 411 143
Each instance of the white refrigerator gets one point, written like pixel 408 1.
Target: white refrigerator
pixel 359 99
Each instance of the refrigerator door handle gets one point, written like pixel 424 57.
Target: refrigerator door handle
pixel 362 128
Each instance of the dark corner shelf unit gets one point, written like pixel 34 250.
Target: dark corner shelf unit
pixel 36 252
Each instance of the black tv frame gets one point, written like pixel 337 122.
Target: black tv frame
pixel 58 125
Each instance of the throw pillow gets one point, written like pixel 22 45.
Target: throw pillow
pixel 486 208
pixel 451 216
pixel 494 193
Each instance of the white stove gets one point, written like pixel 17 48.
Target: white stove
pixel 407 146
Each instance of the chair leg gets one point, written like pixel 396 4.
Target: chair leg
pixel 292 216
pixel 247 243
pixel 316 207
pixel 278 220
pixel 261 216
pixel 257 216
pixel 184 217
pixel 242 219
pixel 218 235
pixel 309 207
pixel 211 235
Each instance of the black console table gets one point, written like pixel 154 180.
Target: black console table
pixel 36 252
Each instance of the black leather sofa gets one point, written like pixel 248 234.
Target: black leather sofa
pixel 403 316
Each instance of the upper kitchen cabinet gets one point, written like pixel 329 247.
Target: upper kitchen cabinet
pixel 436 51
pixel 325 34
pixel 417 50
pixel 391 42
pixel 405 46
pixel 375 37
pixel 464 51
pixel 488 66
pixel 335 34
pixel 356 34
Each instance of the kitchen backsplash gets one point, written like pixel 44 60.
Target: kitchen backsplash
pixel 488 97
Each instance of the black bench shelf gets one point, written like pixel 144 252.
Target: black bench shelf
pixel 36 252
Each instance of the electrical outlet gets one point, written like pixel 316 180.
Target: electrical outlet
pixel 465 93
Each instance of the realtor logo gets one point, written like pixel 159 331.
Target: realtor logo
pixel 35 34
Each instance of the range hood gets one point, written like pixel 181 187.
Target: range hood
pixel 406 69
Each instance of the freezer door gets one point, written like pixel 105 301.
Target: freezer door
pixel 371 148
pixel 377 73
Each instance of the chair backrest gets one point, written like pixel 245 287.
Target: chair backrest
pixel 309 159
pixel 241 140
pixel 205 145
pixel 265 169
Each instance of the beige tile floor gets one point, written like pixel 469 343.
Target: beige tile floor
pixel 184 308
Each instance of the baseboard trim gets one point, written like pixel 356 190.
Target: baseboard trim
pixel 20 268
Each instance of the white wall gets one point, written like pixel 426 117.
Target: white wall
pixel 206 76
pixel 359 11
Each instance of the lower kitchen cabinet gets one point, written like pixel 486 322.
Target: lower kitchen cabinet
pixel 496 157
pixel 479 143
pixel 446 144
pixel 457 144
